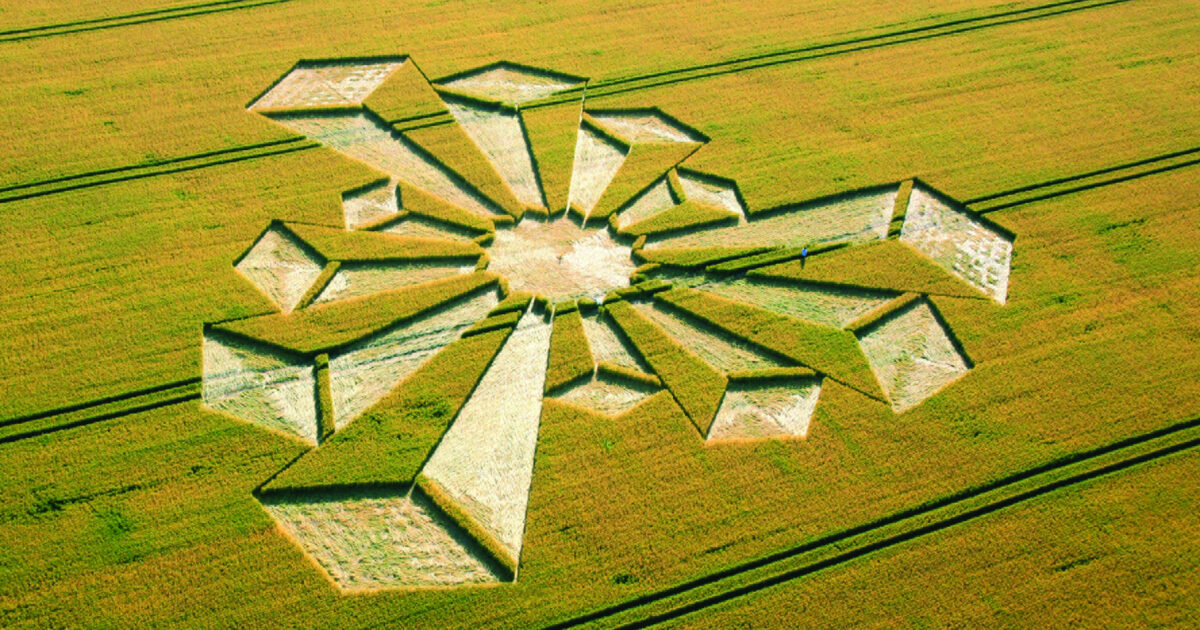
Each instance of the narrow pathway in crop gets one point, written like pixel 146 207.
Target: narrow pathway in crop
pixel 129 19
pixel 893 530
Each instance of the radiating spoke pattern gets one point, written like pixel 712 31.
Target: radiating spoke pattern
pixel 520 244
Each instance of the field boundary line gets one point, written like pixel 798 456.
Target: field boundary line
pixel 1012 488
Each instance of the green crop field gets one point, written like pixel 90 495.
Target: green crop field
pixel 598 315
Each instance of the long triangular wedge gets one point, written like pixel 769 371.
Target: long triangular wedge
pixel 552 138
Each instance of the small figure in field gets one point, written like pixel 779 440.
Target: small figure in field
pixel 803 256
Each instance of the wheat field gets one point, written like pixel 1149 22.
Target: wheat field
pixel 580 314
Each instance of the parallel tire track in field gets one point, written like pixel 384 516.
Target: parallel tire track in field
pixel 605 88
pixel 194 157
pixel 609 87
pixel 891 531
pixel 99 410
pixel 167 167
pixel 622 85
pixel 1100 178
pixel 129 19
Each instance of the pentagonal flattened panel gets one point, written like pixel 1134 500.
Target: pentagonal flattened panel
pixel 260 385
pixel 370 204
pixel 912 355
pixel 511 83
pixel 380 542
pixel 959 242
pixel 608 394
pixel 282 266
pixel 766 409
pixel 647 125
pixel 648 203
pixel 326 84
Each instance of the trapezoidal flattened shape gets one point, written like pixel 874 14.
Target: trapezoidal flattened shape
pixel 423 227
pixel 500 135
pixel 382 542
pixel 828 305
pixel 485 460
pixel 364 278
pixel 958 242
pixel 282 266
pixel 648 203
pixel 608 346
pixel 768 409
pixel 712 191
pixel 847 219
pixel 364 372
pixel 511 83
pixel 326 84
pixel 912 355
pixel 260 385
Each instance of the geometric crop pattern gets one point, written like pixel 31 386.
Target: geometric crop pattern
pixel 519 246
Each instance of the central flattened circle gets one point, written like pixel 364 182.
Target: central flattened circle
pixel 560 260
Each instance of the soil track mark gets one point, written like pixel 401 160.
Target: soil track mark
pixel 54 423
pixel 894 529
pixel 185 164
pixel 1082 176
pixel 603 88
pixel 1120 174
pixel 598 89
pixel 129 19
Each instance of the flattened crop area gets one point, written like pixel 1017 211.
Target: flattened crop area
pixel 582 322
